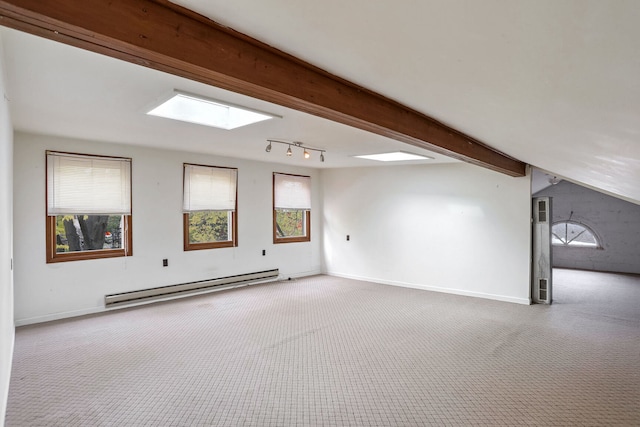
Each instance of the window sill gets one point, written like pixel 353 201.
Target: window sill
pixel 292 239
pixel 212 245
pixel 86 255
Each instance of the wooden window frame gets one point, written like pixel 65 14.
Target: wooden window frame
pixel 305 238
pixel 188 246
pixel 50 226
pixel 296 239
pixel 53 256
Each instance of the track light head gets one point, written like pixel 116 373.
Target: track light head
pixel 306 154
pixel 322 156
pixel 268 149
pixel 289 152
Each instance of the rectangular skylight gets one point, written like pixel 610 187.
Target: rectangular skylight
pixel 209 112
pixel 397 156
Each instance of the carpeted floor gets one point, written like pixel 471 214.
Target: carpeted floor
pixel 336 352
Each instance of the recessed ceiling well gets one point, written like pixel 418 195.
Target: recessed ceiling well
pixel 200 110
pixel 395 156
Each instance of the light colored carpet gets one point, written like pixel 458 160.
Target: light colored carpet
pixel 329 351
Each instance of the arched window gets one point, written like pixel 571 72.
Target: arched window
pixel 568 233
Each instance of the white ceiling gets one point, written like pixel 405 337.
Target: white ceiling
pixel 60 90
pixel 554 84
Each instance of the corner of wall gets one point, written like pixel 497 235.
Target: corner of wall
pixel 7 325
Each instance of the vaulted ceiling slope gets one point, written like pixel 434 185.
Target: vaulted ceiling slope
pixel 177 41
pixel 59 90
pixel 554 84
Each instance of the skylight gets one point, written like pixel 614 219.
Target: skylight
pixel 396 156
pixel 209 112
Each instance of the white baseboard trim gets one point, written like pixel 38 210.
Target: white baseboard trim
pixel 284 277
pixel 58 316
pixel 101 309
pixel 503 298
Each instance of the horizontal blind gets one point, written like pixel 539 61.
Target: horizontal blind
pixel 291 192
pixel 78 184
pixel 208 188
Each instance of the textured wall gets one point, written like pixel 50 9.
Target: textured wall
pixel 615 222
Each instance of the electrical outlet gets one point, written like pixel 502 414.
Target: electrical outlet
pixel 165 262
pixel 348 237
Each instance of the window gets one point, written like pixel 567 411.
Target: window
pixel 88 207
pixel 210 207
pixel 567 233
pixel 291 208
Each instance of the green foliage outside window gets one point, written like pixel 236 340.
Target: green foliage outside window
pixel 209 226
pixel 290 223
pixel 60 233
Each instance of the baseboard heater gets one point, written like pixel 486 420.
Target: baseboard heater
pixel 165 292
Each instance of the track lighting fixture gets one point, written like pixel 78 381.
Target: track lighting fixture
pixel 305 150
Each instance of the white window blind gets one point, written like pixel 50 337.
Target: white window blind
pixel 208 188
pixel 78 184
pixel 291 192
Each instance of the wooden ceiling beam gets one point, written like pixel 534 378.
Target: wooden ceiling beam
pixel 166 37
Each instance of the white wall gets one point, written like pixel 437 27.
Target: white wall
pixel 7 329
pixel 48 291
pixel 454 228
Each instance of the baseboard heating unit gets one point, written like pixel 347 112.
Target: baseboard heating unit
pixel 166 292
